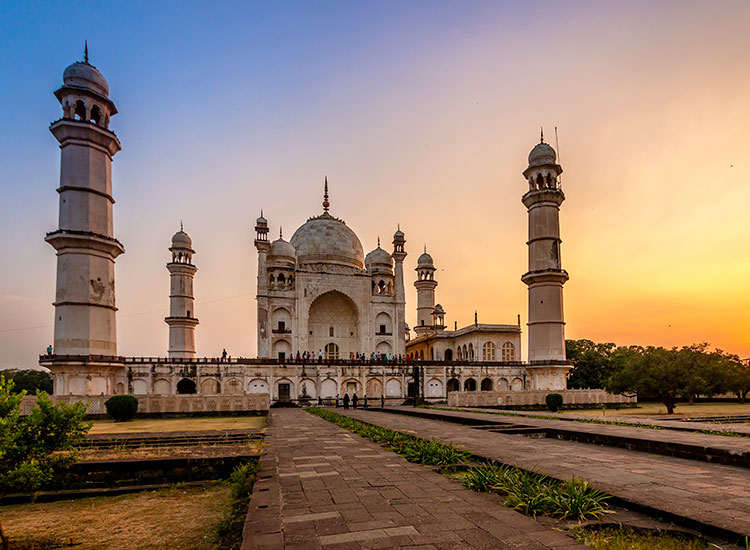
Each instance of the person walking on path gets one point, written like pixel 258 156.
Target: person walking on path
pixel 364 402
pixel 346 401
pixel 337 401
pixel 354 400
pixel 382 401
pixel 224 354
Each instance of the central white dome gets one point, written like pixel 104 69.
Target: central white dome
pixel 328 240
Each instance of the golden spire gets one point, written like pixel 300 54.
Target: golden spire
pixel 326 204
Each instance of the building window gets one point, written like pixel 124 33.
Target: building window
pixel 332 351
pixel 282 326
pixel 330 332
pixel 382 329
pixel 509 351
pixel 489 351
pixel 471 352
pixel 282 356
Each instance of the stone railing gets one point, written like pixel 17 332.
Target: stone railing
pixel 175 404
pixel 530 398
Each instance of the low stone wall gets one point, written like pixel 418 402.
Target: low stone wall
pixel 533 398
pixel 168 404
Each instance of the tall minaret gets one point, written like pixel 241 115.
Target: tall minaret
pixel 262 244
pixel 86 248
pixel 181 320
pixel 545 277
pixel 399 254
pixel 425 284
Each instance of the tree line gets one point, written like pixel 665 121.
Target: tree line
pixel 666 375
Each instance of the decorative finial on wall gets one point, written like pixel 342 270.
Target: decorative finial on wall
pixel 85 51
pixel 326 204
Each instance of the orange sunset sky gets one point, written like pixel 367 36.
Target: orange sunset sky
pixel 419 113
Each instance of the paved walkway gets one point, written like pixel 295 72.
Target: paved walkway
pixel 672 423
pixel 712 494
pixel 322 487
pixel 735 445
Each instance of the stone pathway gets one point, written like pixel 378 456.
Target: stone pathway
pixel 322 487
pixel 735 445
pixel 672 423
pixel 712 494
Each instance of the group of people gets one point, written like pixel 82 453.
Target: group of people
pixel 319 357
pixel 354 400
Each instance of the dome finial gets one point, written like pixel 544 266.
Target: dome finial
pixel 378 241
pixel 261 212
pixel 281 232
pixel 180 225
pixel 425 249
pixel 541 138
pixel 85 51
pixel 326 204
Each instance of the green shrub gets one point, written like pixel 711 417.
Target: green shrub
pixel 577 499
pixel 554 401
pixel 121 408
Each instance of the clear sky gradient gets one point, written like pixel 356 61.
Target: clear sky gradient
pixel 420 113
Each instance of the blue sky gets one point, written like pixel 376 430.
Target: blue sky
pixel 419 113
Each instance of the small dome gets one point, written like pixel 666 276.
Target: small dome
pixel 281 248
pixel 438 309
pixel 398 234
pixel 82 75
pixel 379 256
pixel 182 240
pixel 542 154
pixel 328 240
pixel 425 260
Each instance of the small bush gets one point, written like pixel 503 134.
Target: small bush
pixel 554 401
pixel 121 408
pixel 577 499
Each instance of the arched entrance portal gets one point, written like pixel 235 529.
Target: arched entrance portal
pixel 186 386
pixel 332 323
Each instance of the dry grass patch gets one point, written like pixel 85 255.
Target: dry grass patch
pixel 177 518
pixel 180 424
pixel 252 447
pixel 655 409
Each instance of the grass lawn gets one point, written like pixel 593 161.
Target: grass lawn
pixel 179 424
pixel 627 539
pixel 176 518
pixel 681 410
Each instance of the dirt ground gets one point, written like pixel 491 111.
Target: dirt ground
pixel 182 424
pixel 154 519
pixel 681 410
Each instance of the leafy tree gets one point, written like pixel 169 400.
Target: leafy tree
pixel 592 363
pixel 29 444
pixel 738 377
pixel 30 380
pixel 653 371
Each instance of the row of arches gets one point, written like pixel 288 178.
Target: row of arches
pixel 280 281
pixel 466 353
pixel 284 388
pixel 85 110
pixel 486 384
pixel 546 180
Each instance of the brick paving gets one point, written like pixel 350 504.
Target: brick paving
pixel 712 494
pixel 322 487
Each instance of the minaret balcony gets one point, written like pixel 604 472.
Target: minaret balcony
pixel 555 196
pixel 88 240
pixel 559 276
pixel 69 130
